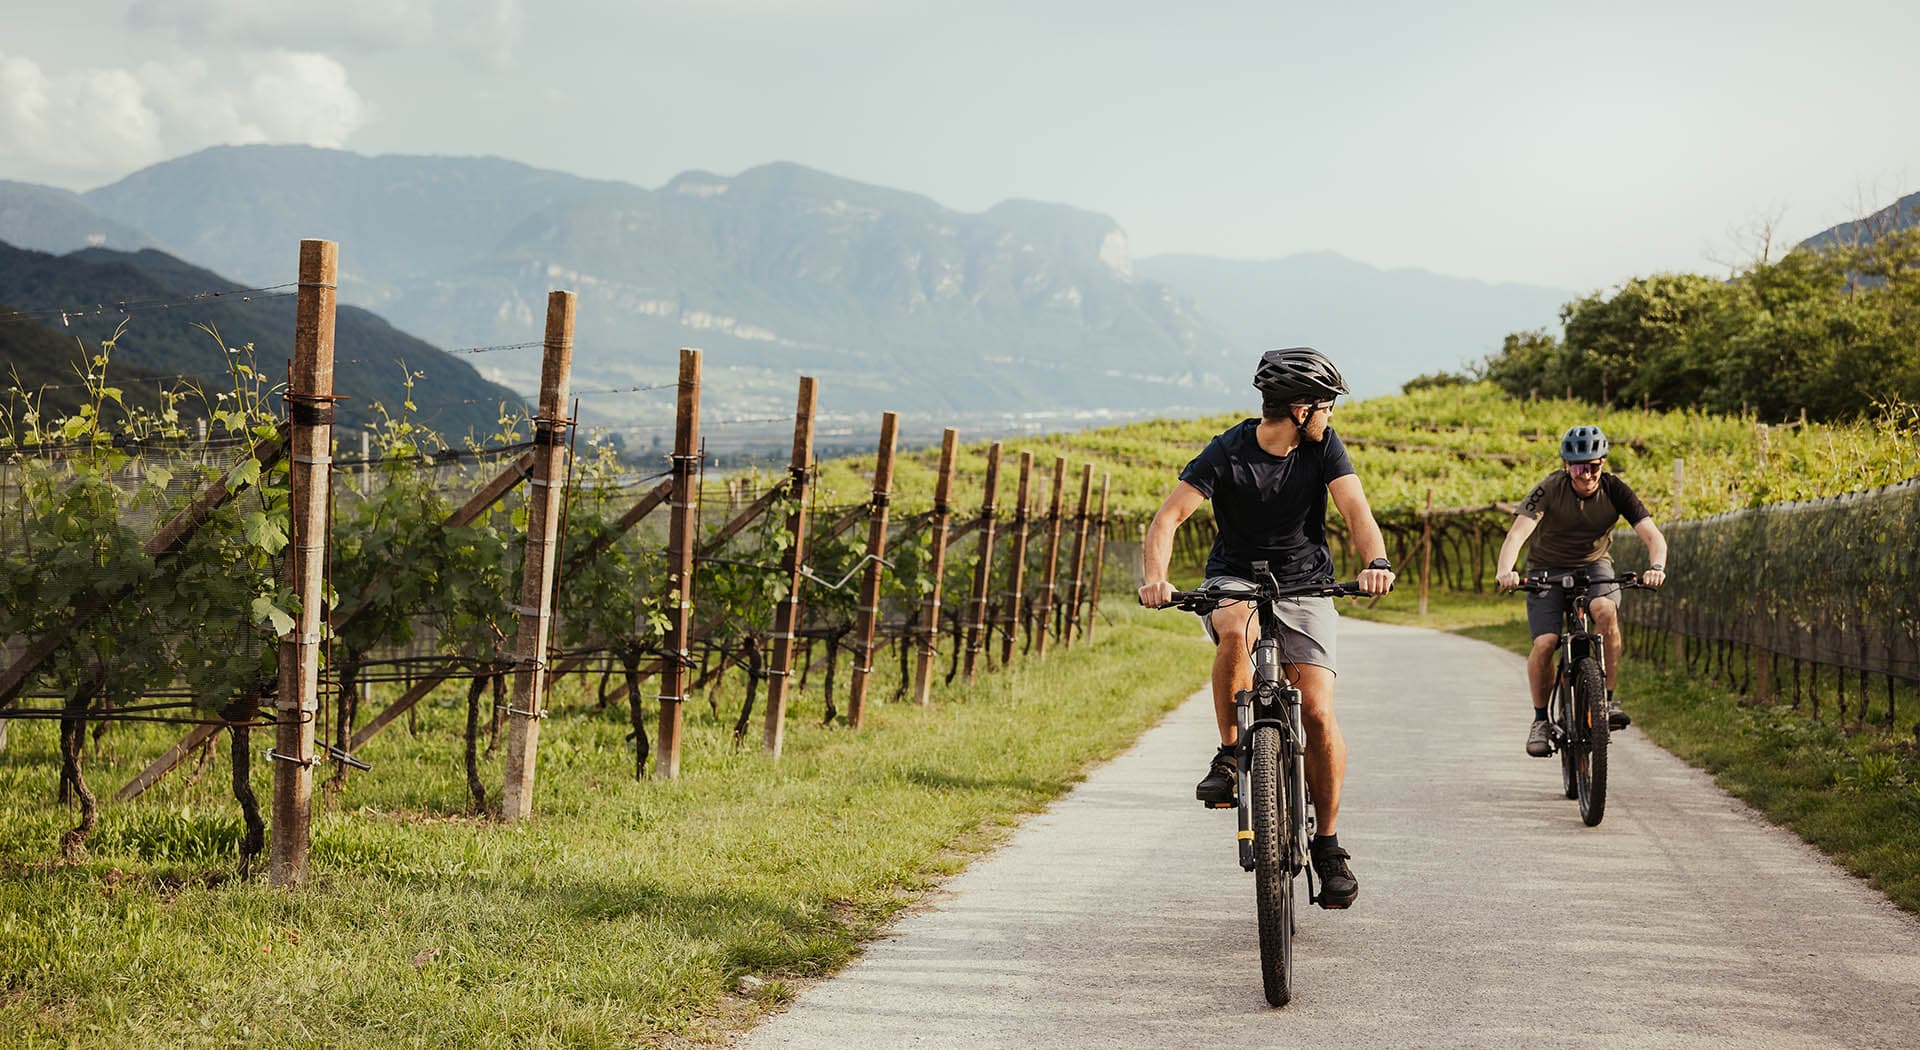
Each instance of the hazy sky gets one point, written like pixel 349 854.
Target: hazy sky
pixel 1553 143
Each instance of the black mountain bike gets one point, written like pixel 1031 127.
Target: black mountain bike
pixel 1275 826
pixel 1577 708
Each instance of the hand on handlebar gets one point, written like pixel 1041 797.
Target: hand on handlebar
pixel 1508 580
pixel 1376 581
pixel 1157 594
pixel 1653 578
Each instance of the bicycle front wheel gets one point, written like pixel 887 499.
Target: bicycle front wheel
pixel 1272 862
pixel 1590 721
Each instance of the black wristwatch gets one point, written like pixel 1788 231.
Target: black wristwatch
pixel 1380 563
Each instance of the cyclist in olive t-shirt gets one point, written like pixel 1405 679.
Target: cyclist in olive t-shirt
pixel 1570 517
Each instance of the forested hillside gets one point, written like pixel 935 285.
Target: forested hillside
pixel 1831 330
pixel 64 303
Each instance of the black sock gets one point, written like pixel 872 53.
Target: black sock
pixel 1609 696
pixel 1326 842
pixel 1539 714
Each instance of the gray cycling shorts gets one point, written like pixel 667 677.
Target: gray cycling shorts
pixel 1308 626
pixel 1547 612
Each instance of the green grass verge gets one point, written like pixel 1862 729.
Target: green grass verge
pixel 624 913
pixel 1852 792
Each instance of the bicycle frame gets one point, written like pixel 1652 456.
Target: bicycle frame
pixel 1273 701
pixel 1578 639
pixel 1271 754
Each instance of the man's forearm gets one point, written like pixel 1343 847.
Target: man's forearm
pixel 1367 539
pixel 1509 553
pixel 1156 551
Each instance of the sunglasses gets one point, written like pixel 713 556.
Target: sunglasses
pixel 1583 469
pixel 1315 406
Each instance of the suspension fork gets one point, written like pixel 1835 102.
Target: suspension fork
pixel 1246 706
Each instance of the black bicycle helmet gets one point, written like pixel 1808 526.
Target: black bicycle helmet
pixel 1584 444
pixel 1298 372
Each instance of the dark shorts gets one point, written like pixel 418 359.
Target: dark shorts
pixel 1547 613
pixel 1308 626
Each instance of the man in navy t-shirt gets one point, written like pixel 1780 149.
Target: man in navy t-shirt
pixel 1269 480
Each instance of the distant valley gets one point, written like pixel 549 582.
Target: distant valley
pixel 1024 316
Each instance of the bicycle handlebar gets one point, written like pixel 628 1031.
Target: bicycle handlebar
pixel 1206 599
pixel 1577 581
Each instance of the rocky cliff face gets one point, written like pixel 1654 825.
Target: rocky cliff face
pixel 893 300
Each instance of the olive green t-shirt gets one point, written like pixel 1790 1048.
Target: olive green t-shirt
pixel 1575 531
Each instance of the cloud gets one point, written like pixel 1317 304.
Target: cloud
pixel 90 120
pixel 105 122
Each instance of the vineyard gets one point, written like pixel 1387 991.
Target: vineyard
pixel 1470 453
pixel 250 575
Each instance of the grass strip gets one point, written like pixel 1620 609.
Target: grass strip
pixel 624 913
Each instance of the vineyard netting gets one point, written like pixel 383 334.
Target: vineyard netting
pixel 1827 581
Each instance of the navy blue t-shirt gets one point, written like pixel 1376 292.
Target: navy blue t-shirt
pixel 1269 508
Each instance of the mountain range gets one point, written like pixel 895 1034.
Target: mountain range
pixel 1023 311
pixel 1900 215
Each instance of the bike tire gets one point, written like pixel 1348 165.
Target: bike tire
pixel 1590 715
pixel 1272 869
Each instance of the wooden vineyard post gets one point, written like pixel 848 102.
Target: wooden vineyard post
pixel 1053 555
pixel 1680 511
pixel 680 543
pixel 1081 521
pixel 868 613
pixel 1426 550
pixel 786 615
pixel 983 572
pixel 310 410
pixel 1017 584
pixel 937 567
pixel 544 492
pixel 1099 555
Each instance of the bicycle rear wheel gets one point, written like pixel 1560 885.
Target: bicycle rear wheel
pixel 1590 720
pixel 1272 863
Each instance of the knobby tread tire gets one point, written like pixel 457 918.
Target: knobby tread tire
pixel 1590 710
pixel 1273 878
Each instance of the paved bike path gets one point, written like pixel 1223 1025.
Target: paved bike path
pixel 1489 916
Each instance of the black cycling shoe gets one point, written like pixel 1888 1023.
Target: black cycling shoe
pixel 1221 785
pixel 1338 887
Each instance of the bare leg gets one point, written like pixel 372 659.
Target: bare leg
pixel 1231 671
pixel 1326 748
pixel 1540 668
pixel 1606 618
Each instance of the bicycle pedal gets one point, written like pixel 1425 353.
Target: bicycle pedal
pixel 1235 804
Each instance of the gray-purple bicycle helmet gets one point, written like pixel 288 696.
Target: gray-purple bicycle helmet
pixel 1584 444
